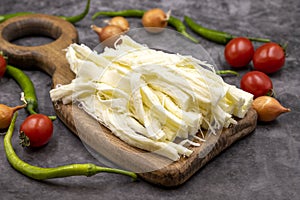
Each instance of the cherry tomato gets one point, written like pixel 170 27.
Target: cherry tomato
pixel 239 52
pixel 2 66
pixel 256 83
pixel 268 58
pixel 38 129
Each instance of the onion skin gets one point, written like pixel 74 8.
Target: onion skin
pixel 120 22
pixel 6 114
pixel 155 20
pixel 107 31
pixel 268 108
pixel 110 31
pixel 108 34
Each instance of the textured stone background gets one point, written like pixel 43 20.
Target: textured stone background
pixel 264 165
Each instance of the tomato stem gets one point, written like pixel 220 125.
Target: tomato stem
pixel 24 140
pixel 271 93
pixel 284 47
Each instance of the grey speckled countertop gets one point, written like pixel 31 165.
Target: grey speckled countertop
pixel 264 165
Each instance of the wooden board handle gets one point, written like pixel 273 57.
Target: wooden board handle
pixel 48 57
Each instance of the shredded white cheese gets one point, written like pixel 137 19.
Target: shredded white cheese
pixel 149 98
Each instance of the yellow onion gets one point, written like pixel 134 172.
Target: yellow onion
pixel 109 34
pixel 107 31
pixel 268 108
pixel 6 114
pixel 120 22
pixel 155 20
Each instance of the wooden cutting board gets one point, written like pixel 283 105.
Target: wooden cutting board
pixel 51 59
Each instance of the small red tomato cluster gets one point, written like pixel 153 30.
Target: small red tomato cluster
pixel 267 59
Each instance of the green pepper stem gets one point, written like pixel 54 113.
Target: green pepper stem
pixel 180 27
pixel 31 111
pixel 114 170
pixel 263 40
pixel 227 72
pixel 184 33
pixel 40 173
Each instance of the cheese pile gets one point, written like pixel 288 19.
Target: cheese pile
pixel 150 99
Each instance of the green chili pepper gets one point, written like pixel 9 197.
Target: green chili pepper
pixel 214 35
pixel 173 21
pixel 72 19
pixel 123 13
pixel 39 173
pixel 180 27
pixel 227 72
pixel 11 15
pixel 77 18
pixel 28 88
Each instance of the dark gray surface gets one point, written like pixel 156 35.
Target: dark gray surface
pixel 264 165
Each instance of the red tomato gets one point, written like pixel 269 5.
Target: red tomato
pixel 2 66
pixel 239 52
pixel 269 58
pixel 256 83
pixel 38 128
